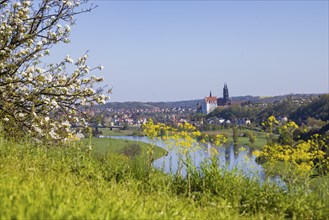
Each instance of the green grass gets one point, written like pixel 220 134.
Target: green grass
pixel 108 132
pixel 244 141
pixel 104 146
pixel 67 183
pixel 37 182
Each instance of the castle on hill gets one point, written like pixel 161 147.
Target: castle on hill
pixel 210 102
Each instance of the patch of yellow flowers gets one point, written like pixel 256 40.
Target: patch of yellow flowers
pixel 152 130
pixel 184 136
pixel 290 125
pixel 301 156
pixel 270 121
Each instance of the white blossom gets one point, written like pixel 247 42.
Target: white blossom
pixel 21 115
pixel 54 103
pixel 17 4
pixel 66 124
pixel 32 91
pixel 53 134
pixel 69 59
pixel 48 77
pixel 37 129
pixel 67 28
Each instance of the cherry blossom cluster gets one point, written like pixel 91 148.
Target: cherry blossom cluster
pixel 42 100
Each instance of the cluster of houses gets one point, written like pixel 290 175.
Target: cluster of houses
pixel 240 121
pixel 135 117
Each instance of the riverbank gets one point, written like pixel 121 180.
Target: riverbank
pixel 229 156
pixel 259 143
pixel 119 132
pixel 131 149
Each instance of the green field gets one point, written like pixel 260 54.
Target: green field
pixel 102 146
pixel 259 142
pixel 117 132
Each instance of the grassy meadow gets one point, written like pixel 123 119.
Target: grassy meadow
pixel 118 132
pixel 260 140
pixel 38 182
pixel 131 149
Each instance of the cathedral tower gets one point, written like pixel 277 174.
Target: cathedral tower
pixel 225 93
pixel 226 98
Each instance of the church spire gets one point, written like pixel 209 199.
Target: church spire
pixel 210 95
pixel 225 93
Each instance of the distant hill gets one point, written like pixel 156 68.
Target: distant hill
pixel 297 109
pixel 150 105
pixel 271 99
pixel 193 103
pixel 318 109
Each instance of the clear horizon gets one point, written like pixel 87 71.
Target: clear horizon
pixel 217 97
pixel 180 50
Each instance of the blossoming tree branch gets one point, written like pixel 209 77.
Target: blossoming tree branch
pixel 36 98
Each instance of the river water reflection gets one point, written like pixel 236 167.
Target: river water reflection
pixel 230 156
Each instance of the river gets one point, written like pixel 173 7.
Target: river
pixel 230 156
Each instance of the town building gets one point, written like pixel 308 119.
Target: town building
pixel 210 103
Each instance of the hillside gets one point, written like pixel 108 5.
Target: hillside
pixel 298 110
pixel 193 103
pixel 150 105
pixel 318 109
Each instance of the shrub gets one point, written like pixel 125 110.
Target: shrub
pixel 251 135
pixel 235 134
pixel 132 150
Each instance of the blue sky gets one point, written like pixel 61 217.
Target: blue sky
pixel 180 50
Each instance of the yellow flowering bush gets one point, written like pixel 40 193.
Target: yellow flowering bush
pixel 204 138
pixel 287 133
pixel 153 131
pixel 268 126
pixel 270 122
pixel 296 163
pixel 293 162
pixel 219 139
pixel 185 137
